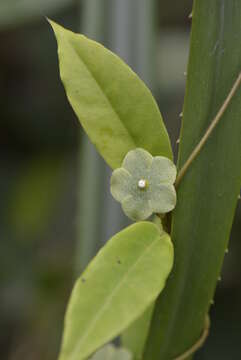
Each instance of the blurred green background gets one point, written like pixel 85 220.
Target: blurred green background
pixel 55 209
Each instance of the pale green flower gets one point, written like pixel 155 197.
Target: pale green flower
pixel 144 184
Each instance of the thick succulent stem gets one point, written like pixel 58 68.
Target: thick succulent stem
pixel 207 195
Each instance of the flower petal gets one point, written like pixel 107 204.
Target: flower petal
pixel 136 209
pixel 120 184
pixel 162 198
pixel 163 170
pixel 137 162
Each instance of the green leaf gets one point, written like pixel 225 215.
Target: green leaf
pixel 123 279
pixel 207 195
pixel 113 105
pixel 110 352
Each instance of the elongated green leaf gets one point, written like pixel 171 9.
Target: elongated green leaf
pixel 135 336
pixel 207 195
pixel 110 352
pixel 113 105
pixel 119 284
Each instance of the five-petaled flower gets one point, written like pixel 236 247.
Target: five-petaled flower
pixel 144 184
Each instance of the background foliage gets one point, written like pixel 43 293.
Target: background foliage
pixel 39 164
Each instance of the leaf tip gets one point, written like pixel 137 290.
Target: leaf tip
pixel 51 22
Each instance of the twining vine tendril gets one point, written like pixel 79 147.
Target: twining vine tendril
pixel 210 129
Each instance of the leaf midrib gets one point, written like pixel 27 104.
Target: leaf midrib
pixel 105 95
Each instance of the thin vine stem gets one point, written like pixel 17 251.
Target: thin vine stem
pixel 210 129
pixel 199 343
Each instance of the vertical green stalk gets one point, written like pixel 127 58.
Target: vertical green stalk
pixel 207 194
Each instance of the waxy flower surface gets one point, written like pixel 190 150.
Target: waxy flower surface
pixel 144 184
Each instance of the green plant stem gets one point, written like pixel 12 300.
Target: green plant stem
pixel 209 131
pixel 205 137
pixel 207 194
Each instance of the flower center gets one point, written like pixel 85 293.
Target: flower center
pixel 142 184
